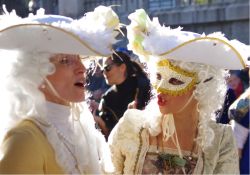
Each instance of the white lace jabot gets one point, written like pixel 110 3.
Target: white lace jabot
pixel 77 144
pixel 60 117
pixel 79 147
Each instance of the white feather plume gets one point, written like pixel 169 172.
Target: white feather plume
pixel 97 28
pixel 148 38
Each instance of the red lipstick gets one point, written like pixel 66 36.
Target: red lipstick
pixel 161 101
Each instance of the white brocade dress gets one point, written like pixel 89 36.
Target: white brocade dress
pixel 132 154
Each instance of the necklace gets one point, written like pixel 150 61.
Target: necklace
pixel 73 155
pixel 67 143
pixel 174 163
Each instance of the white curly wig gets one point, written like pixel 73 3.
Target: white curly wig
pixel 22 74
pixel 210 93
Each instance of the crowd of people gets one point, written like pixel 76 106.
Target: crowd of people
pixel 181 107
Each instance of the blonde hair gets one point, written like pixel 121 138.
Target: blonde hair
pixel 211 85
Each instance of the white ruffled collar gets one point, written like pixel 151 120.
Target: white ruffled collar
pixel 60 117
pixel 57 112
pixel 83 152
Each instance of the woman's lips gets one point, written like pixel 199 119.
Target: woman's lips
pixel 161 101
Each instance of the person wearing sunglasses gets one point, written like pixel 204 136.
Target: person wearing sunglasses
pixel 128 83
pixel 46 127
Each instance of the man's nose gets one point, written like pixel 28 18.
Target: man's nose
pixel 80 68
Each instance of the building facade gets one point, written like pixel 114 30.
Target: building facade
pixel 228 16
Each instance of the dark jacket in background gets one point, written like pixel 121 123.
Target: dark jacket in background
pixel 115 101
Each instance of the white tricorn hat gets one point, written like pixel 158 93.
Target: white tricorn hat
pixel 91 35
pixel 148 37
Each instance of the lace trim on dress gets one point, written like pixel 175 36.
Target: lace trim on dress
pixel 81 150
pixel 61 147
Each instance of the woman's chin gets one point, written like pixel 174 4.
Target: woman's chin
pixel 163 111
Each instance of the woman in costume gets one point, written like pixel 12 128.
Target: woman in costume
pixel 175 134
pixel 46 127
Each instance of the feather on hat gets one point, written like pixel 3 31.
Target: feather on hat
pixel 148 37
pixel 91 35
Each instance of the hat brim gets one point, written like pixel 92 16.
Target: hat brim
pixel 45 38
pixel 207 50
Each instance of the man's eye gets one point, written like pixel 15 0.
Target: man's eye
pixel 64 60
pixel 158 76
pixel 175 81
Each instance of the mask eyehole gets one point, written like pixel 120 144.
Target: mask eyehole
pixel 175 81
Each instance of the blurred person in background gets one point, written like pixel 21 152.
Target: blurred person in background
pixel 96 85
pixel 237 82
pixel 128 83
pixel 239 115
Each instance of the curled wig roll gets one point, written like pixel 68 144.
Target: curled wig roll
pixel 22 74
pixel 211 86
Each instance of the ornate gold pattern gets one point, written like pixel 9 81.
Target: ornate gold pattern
pixel 139 150
pixel 182 74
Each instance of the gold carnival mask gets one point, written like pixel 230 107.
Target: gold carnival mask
pixel 172 79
